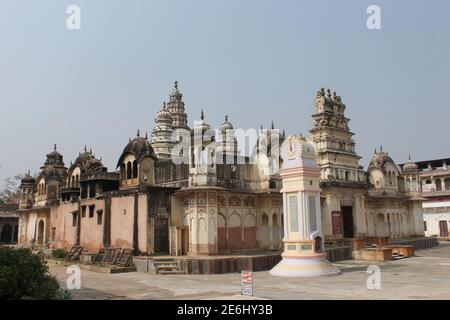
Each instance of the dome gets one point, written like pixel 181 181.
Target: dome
pixel 54 158
pixel 139 147
pixel 164 115
pixel 200 129
pixel 50 173
pixel 380 159
pixel 410 167
pixel 86 161
pixel 28 180
pixel 226 125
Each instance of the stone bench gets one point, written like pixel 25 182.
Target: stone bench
pixel 373 254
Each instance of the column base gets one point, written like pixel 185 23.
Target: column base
pixel 311 265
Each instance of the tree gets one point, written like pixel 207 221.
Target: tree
pixel 25 276
pixel 9 190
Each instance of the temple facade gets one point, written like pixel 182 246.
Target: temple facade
pixel 190 191
pixel 384 201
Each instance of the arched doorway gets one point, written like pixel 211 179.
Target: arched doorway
pixel 40 239
pixel 6 235
pixel 381 229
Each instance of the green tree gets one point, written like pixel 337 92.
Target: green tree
pixel 24 276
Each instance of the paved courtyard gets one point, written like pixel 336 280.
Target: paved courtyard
pixel 426 276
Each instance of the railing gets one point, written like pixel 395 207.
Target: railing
pixel 434 193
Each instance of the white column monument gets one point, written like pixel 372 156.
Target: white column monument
pixel 303 254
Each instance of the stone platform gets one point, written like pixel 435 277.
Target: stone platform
pixel 212 264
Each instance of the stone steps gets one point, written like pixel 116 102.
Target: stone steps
pixel 168 266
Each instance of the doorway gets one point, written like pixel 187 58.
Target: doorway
pixel 161 236
pixel 40 239
pixel 347 217
pixel 443 229
pixel 6 235
pixel 184 241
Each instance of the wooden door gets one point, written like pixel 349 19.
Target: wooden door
pixel 443 229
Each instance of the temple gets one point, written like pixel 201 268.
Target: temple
pixel 190 191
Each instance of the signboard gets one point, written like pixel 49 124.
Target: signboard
pixel 247 283
pixel 336 221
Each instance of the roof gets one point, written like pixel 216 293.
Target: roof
pixel 9 210
pixel 435 163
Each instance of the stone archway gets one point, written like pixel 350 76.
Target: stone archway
pixel 381 227
pixel 40 237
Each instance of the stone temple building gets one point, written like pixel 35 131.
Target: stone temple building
pixel 190 191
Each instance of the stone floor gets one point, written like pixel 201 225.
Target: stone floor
pixel 426 276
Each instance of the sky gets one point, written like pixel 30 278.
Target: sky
pixel 255 60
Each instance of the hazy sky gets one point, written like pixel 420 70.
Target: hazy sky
pixel 255 60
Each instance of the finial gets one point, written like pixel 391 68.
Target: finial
pixel 375 151
pixel 28 171
pixel 54 147
pixel 226 118
pixel 146 136
pixel 137 133
pixel 284 134
pixel 164 105
pixel 202 115
pixel 409 157
pixel 129 139
pixel 381 148
pixel 90 151
pixel 261 127
pixel 176 85
pixel 85 148
pixel 334 95
pixel 272 126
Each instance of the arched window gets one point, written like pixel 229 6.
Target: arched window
pixel 129 172
pixel 265 220
pixel 274 220
pixel 135 169
pixel 438 185
pixel 447 183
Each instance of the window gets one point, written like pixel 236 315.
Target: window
pixel 425 226
pixel 293 213
pixel 312 213
pixel 99 216
pixel 74 219
pixel 91 211
pixel 83 211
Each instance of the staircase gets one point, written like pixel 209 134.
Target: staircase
pixel 397 256
pixel 168 266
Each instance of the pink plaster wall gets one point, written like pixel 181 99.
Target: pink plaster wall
pixel 61 220
pixel 91 233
